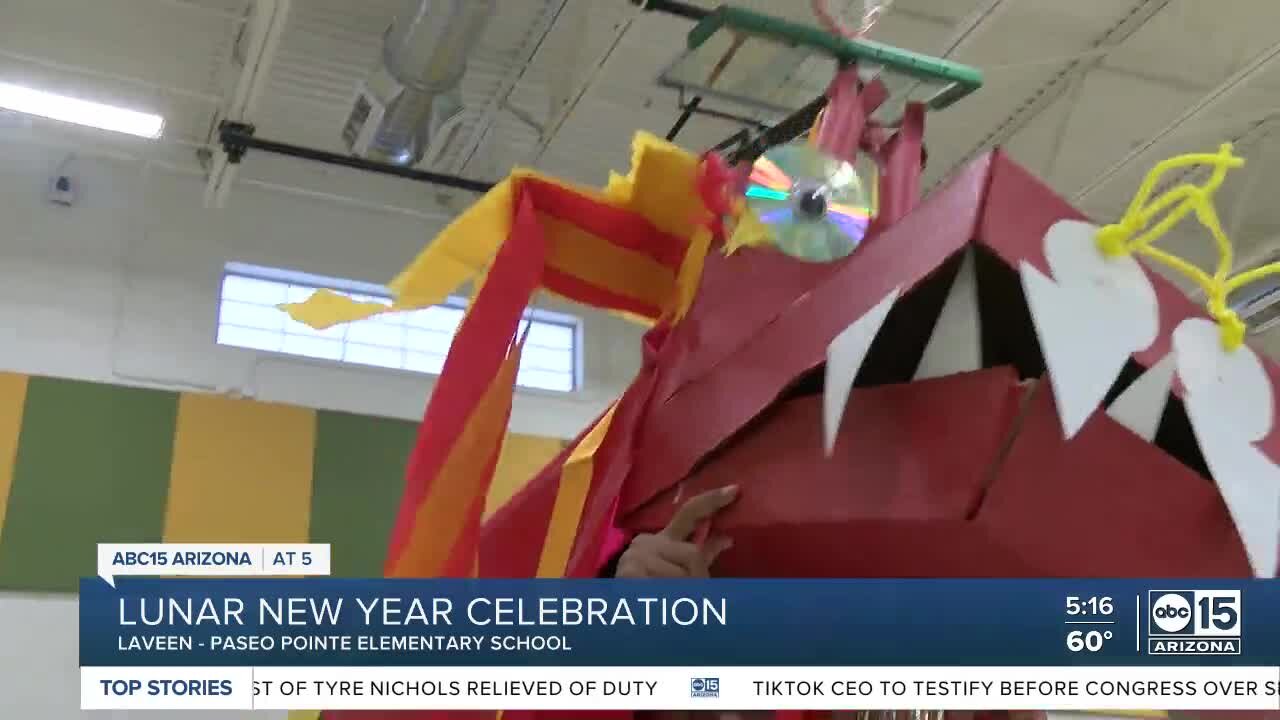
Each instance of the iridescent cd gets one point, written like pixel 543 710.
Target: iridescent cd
pixel 815 206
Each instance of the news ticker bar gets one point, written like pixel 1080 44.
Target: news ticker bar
pixel 330 622
pixel 675 688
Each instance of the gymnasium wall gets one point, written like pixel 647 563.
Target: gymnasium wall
pixel 83 462
pixel 115 414
pixel 123 287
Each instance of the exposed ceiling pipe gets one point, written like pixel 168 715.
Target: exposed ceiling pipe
pixel 415 88
pixel 1224 90
pixel 238 138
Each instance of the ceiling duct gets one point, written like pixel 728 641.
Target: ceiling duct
pixel 413 92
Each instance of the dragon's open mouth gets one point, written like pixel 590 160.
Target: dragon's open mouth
pixel 1006 338
pixel 888 466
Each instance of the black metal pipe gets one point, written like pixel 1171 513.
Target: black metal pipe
pixel 679 9
pixel 741 137
pixel 786 130
pixel 686 112
pixel 237 138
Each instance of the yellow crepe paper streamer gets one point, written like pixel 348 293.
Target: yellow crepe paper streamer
pixel 690 274
pixel 571 497
pixel 747 231
pixel 659 187
pixel 1138 230
pixel 326 308
pixel 460 253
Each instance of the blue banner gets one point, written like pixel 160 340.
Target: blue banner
pixel 332 622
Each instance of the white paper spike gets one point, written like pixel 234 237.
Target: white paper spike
pixel 1229 403
pixel 1235 384
pixel 1080 371
pixel 1142 404
pixel 1249 483
pixel 845 355
pixel 1090 318
pixel 956 343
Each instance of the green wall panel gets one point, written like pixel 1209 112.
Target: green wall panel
pixel 92 466
pixel 358 480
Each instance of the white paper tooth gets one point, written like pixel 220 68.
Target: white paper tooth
pixel 845 355
pixel 1235 384
pixel 1229 403
pixel 956 343
pixel 1249 483
pixel 1142 404
pixel 1090 318
pixel 1080 372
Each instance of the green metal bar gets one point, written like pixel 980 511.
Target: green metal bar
pixel 961 79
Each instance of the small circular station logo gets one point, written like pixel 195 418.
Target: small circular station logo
pixel 1171 613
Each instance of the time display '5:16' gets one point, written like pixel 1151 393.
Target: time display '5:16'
pixel 1092 605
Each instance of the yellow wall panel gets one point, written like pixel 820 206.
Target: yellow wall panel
pixel 521 458
pixel 13 397
pixel 241 472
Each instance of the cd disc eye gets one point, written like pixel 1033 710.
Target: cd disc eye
pixel 812 204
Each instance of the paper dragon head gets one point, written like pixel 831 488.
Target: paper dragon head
pixel 887 402
pixel 979 384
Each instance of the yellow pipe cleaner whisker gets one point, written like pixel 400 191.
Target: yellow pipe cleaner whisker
pixel 1138 230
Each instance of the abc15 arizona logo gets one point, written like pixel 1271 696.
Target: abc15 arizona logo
pixel 1194 622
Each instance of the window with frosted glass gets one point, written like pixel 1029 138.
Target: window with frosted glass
pixel 249 317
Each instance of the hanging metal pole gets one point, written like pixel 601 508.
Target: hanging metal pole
pixel 237 138
pixel 679 9
pixel 787 129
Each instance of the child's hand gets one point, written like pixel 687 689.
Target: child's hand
pixel 670 554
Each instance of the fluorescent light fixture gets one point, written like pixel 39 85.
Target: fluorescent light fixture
pixel 80 112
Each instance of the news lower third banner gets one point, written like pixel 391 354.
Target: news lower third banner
pixel 319 642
